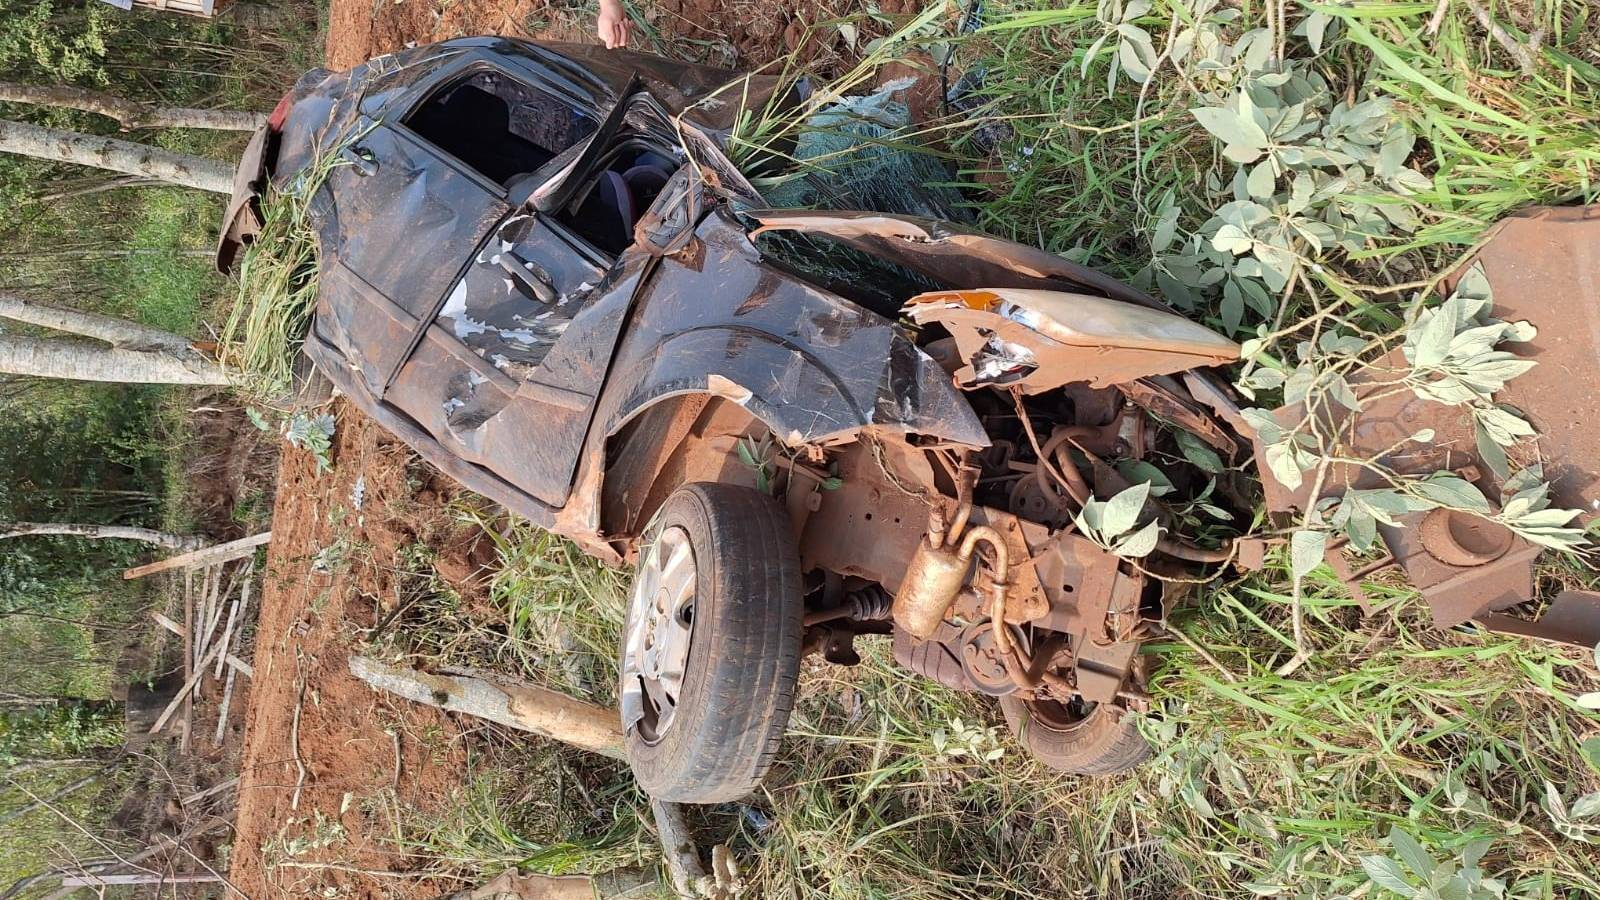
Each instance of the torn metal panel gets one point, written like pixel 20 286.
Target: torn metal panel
pixel 816 367
pixel 1041 340
pixel 1544 266
pixel 1573 619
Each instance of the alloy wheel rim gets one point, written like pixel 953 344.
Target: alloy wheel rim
pixel 656 643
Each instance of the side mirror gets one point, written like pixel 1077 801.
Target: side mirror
pixel 668 225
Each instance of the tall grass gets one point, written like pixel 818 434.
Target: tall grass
pixel 276 290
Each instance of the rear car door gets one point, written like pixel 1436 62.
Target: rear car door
pixel 506 374
pixel 419 185
pixel 406 218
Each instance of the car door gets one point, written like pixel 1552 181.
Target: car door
pixel 507 373
pixel 407 219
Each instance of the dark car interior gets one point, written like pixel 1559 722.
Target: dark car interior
pixel 604 211
pixel 507 131
pixel 498 126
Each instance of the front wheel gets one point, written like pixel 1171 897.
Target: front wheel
pixel 1077 736
pixel 711 649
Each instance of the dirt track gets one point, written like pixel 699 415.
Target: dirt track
pixel 320 747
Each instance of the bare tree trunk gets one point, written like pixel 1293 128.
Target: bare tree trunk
pixel 116 332
pixel 119 156
pixel 138 354
pixel 184 542
pixel 130 113
pixel 83 361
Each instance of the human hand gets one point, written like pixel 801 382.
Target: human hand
pixel 612 25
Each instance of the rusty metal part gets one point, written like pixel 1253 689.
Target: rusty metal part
pixel 1047 503
pixel 933 577
pixel 1540 265
pixel 1041 340
pixel 1071 478
pixel 1161 399
pixel 1461 539
pixel 1573 619
pixel 982 663
pixel 936 573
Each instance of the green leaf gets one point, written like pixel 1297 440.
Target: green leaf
pixel 1316 25
pixel 1284 464
pixel 1090 54
pixel 1386 873
pixel 1306 551
pixel 1586 806
pixel 1232 239
pixel 1122 511
pixel 1232 129
pixel 1362 529
pixel 1138 470
pixel 1139 544
pixel 1411 852
pixel 1199 453
pixel 1494 456
pixel 1591 751
pixel 1166 229
pixel 1452 491
pixel 1262 180
pixel 1590 700
pixel 1432 340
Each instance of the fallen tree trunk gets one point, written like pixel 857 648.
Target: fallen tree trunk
pixel 129 113
pixel 117 155
pixel 518 706
pixel 102 532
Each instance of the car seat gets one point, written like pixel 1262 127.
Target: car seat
pixel 618 200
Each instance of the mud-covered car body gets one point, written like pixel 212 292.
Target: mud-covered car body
pixel 578 377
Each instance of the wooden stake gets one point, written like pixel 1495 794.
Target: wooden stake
pixel 208 556
pixel 183 694
pixel 241 606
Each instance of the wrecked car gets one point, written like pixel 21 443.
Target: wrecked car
pixel 541 270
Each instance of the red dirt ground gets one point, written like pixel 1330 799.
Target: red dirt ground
pixel 329 573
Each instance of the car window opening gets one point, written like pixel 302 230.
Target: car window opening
pixel 605 210
pixel 503 129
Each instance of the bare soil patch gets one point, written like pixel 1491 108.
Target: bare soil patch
pixel 327 763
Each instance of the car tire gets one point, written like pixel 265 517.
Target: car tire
pixel 308 388
pixel 737 683
pixel 1098 741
